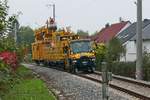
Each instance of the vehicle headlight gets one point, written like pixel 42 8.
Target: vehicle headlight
pixel 93 59
pixel 74 61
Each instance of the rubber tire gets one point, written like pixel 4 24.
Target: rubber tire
pixel 37 63
pixel 92 69
pixel 45 63
pixel 75 70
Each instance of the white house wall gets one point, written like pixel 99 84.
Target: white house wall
pixel 146 46
pixel 131 50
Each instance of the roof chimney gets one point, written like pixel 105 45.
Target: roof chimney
pixel 120 19
pixel 107 25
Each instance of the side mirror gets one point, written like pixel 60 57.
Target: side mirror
pixel 65 49
pixel 92 51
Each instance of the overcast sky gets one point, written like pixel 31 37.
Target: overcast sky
pixel 88 15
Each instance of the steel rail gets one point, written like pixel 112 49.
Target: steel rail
pixel 133 81
pixel 130 92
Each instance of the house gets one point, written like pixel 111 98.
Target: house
pixel 110 31
pixel 128 39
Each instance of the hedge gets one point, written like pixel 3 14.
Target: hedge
pixel 128 69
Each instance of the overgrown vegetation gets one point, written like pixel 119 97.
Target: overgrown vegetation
pixel 16 81
pixel 9 79
pixel 23 85
pixel 3 14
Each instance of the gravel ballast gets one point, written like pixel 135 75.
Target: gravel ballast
pixel 72 87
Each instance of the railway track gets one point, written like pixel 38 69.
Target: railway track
pixel 132 87
pixel 130 80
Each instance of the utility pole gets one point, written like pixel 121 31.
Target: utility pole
pixel 105 86
pixel 139 69
pixel 54 12
pixel 16 23
pixel 53 5
pixel 106 77
pixel 15 31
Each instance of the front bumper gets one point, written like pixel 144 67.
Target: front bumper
pixel 84 63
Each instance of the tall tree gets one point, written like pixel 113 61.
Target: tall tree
pixel 3 15
pixel 82 33
pixel 25 35
pixel 7 44
pixel 115 49
pixel 96 32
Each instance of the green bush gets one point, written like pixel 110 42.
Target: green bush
pixel 100 51
pixel 124 69
pixel 121 68
pixel 7 78
pixel 146 66
pixel 128 69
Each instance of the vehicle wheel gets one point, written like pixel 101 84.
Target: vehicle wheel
pixel 45 63
pixel 37 62
pixel 92 69
pixel 76 70
pixel 71 70
pixel 49 64
pixel 66 65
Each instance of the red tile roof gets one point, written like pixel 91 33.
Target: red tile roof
pixel 106 34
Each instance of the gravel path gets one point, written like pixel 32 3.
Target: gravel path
pixel 72 87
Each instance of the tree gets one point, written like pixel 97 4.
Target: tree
pixel 100 51
pixel 109 53
pixel 115 49
pixel 95 33
pixel 82 33
pixel 3 15
pixel 7 44
pixel 25 36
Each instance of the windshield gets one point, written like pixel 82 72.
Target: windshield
pixel 80 46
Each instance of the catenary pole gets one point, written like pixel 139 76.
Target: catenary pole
pixel 139 74
pixel 53 9
pixel 54 12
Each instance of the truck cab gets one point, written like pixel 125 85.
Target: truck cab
pixel 81 57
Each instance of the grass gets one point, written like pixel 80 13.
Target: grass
pixel 33 89
pixel 24 73
pixel 29 88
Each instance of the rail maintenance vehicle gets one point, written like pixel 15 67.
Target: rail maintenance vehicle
pixel 62 48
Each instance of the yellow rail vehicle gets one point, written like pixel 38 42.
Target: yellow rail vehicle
pixel 63 49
